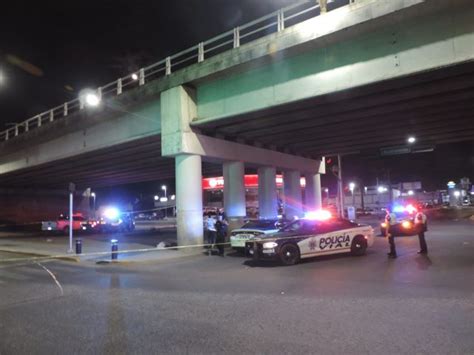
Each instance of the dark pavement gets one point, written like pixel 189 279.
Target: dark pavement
pixel 202 304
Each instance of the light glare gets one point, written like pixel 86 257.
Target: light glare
pixel 111 213
pixel 92 100
pixel 320 215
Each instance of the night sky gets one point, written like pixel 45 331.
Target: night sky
pixel 50 50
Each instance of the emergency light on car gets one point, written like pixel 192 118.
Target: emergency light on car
pixel 320 215
pixel 111 213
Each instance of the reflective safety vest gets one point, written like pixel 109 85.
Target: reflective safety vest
pixel 391 219
pixel 420 218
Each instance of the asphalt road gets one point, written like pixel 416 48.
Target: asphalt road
pixel 333 305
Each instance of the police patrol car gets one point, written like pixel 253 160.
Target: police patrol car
pixel 402 221
pixel 317 234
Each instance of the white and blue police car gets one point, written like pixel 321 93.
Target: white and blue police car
pixel 316 234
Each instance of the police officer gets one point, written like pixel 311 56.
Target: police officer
pixel 221 229
pixel 421 223
pixel 391 221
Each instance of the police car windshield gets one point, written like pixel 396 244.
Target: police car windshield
pixel 299 226
pixel 263 225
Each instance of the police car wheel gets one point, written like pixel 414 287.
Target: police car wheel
pixel 359 246
pixel 289 254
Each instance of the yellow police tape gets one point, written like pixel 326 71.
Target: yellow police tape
pixel 101 253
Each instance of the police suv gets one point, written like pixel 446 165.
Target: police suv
pixel 306 238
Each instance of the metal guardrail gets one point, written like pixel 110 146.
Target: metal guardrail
pixel 272 23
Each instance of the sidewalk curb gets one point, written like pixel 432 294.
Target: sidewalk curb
pixel 149 261
pixel 38 255
pixel 85 260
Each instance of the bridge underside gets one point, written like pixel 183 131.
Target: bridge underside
pixel 436 107
pixel 133 162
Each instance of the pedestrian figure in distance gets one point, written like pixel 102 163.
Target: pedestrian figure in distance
pixel 421 223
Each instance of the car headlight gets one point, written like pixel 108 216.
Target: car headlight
pixel 406 224
pixel 269 245
pixel 383 225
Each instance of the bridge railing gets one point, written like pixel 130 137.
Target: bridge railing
pixel 272 23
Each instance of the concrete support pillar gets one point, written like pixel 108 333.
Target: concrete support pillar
pixel 267 193
pixel 234 193
pixel 189 211
pixel 292 190
pixel 313 196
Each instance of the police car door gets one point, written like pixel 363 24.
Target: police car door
pixel 332 238
pixel 308 243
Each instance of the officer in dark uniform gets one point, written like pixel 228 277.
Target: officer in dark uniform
pixel 391 221
pixel 221 228
pixel 421 222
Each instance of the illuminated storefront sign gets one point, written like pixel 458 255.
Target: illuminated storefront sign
pixel 251 181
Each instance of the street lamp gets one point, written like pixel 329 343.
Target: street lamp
pixel 92 100
pixel 134 76
pixel 411 140
pixel 89 97
pixel 411 193
pixel 156 197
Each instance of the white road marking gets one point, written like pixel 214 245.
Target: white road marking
pixel 53 277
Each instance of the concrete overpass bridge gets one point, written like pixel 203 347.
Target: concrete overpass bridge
pixel 273 95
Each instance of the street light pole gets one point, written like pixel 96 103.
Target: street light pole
pixel 166 200
pixel 339 186
pixel 93 203
pixel 72 188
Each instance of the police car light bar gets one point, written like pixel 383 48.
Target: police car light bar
pixel 398 209
pixel 320 215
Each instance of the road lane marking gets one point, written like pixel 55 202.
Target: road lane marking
pixel 53 277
